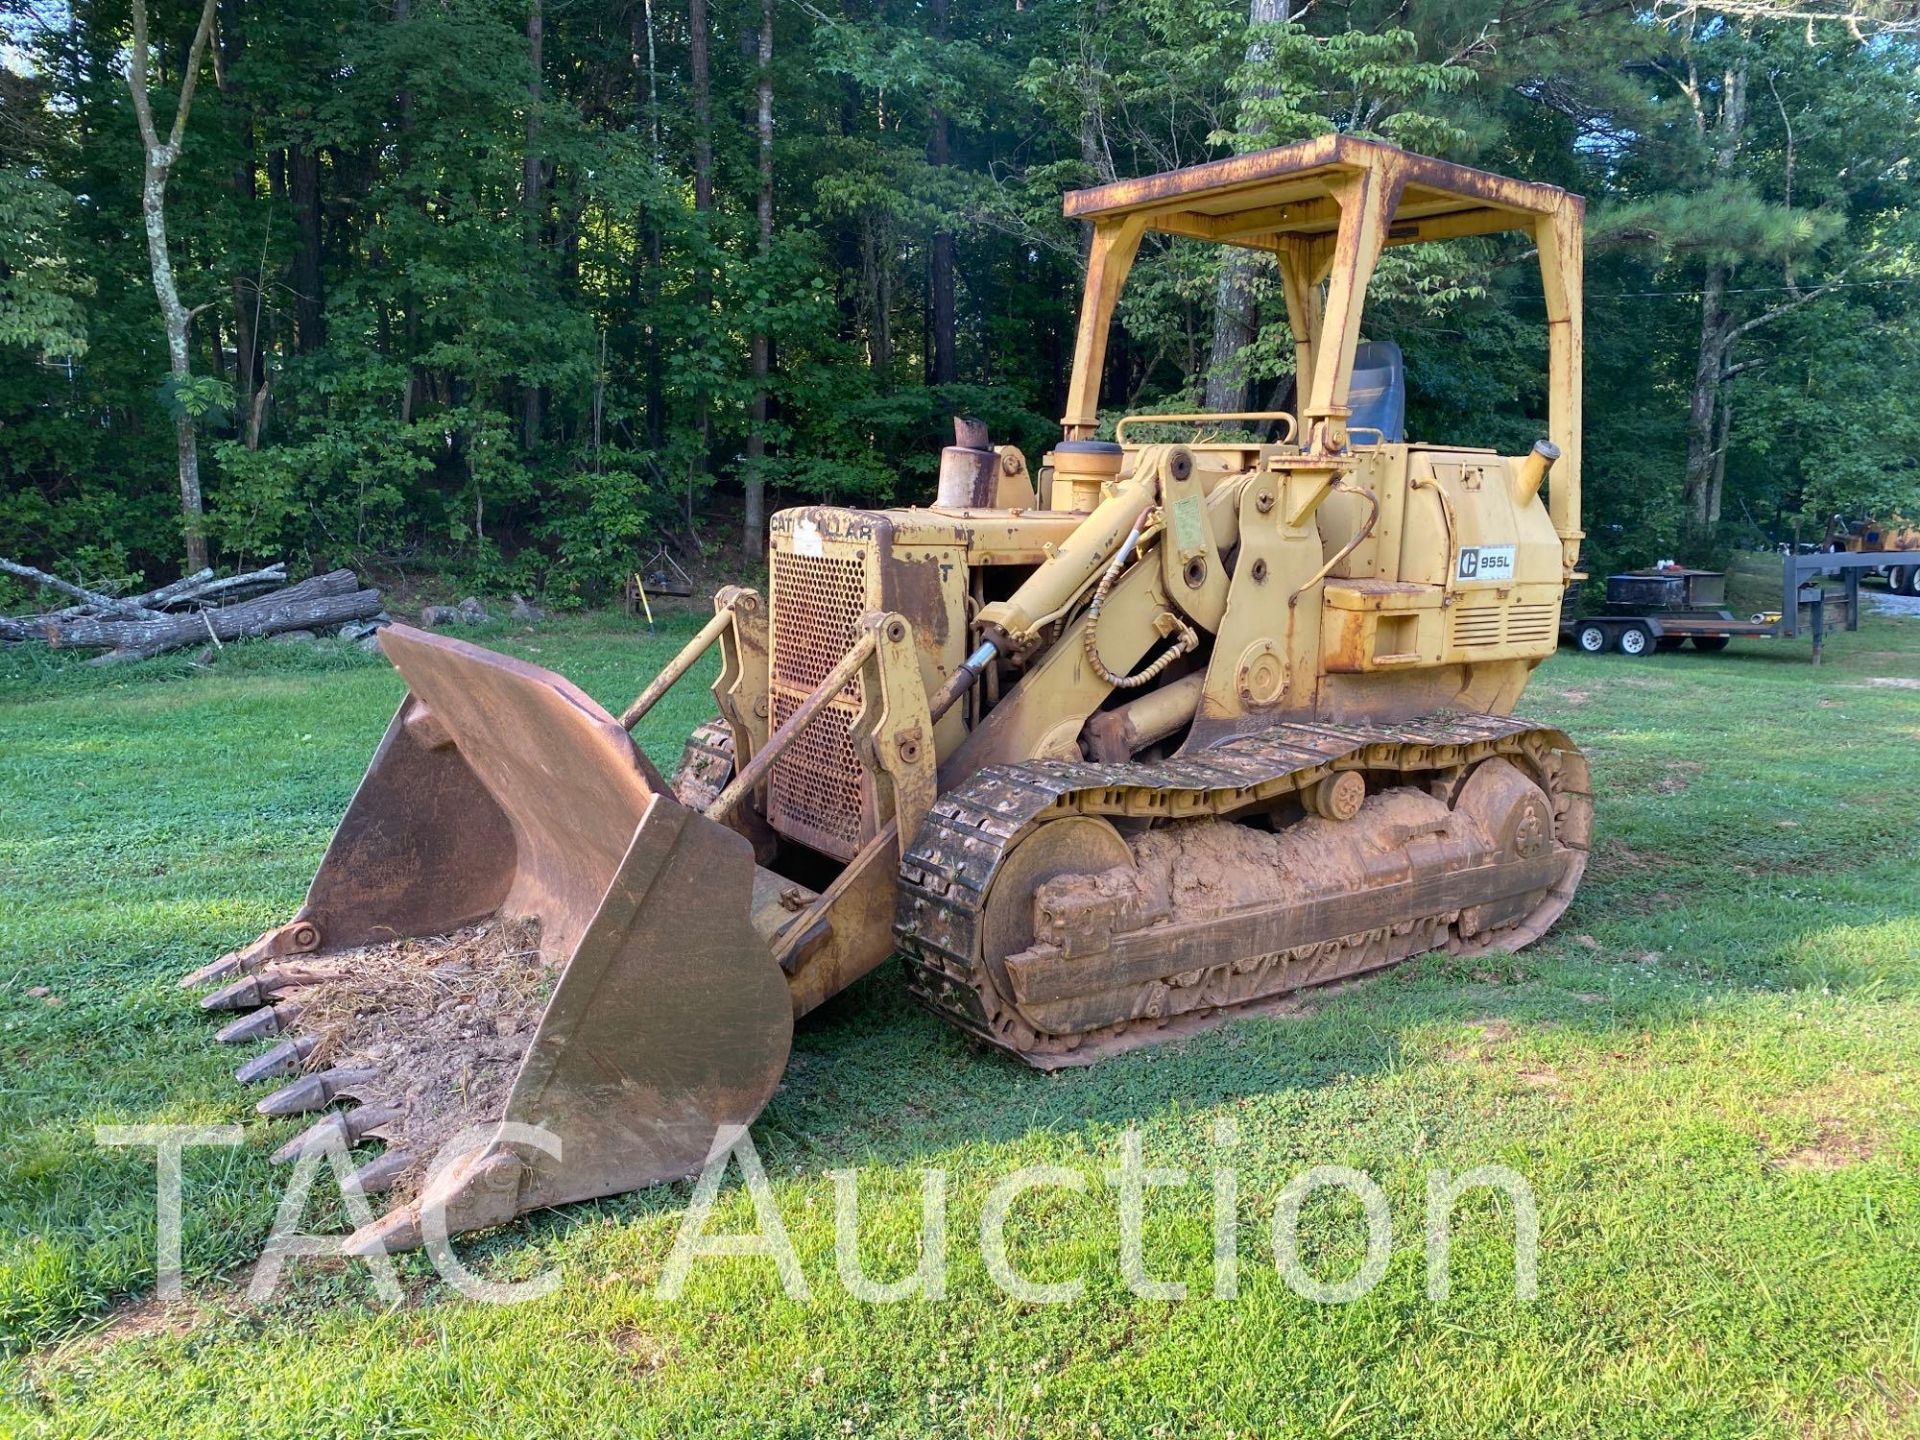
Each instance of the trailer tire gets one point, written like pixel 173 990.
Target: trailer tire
pixel 1913 580
pixel 1710 643
pixel 1591 637
pixel 1899 580
pixel 1635 640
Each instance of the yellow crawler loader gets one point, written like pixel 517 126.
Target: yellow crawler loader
pixel 1106 749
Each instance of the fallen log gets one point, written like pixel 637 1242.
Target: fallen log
pixel 89 599
pixel 207 588
pixel 324 601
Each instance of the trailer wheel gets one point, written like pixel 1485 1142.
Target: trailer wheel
pixel 1899 580
pixel 1591 638
pixel 1710 642
pixel 1913 580
pixel 1635 640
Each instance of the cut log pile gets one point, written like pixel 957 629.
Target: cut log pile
pixel 198 609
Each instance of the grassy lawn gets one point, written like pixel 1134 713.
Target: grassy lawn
pixel 1706 1073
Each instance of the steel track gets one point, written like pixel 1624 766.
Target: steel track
pixel 948 874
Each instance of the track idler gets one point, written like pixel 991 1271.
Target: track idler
pixel 503 796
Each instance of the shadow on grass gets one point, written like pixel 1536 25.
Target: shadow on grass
pixel 875 1082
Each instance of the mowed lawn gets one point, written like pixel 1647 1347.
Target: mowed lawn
pixel 1706 1073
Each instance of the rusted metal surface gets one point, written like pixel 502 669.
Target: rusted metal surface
pixel 502 788
pixel 1325 155
pixel 706 765
pixel 969 468
pixel 957 917
pixel 793 725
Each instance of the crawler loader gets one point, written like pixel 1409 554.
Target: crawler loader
pixel 1106 749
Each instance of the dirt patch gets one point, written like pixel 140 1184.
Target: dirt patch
pixel 1542 1077
pixel 1676 776
pixel 1852 1117
pixel 1833 1148
pixel 1613 858
pixel 442 1023
pixel 144 1319
pixel 637 1351
pixel 1894 682
pixel 1487 1036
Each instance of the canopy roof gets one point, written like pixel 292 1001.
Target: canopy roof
pixel 1255 200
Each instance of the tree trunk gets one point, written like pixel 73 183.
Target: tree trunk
pixel 1716 327
pixel 1722 433
pixel 230 45
pixel 309 285
pixel 157 161
pixel 532 179
pixel 699 63
pixel 876 260
pixel 1235 308
pixel 1703 399
pixel 940 368
pixel 754 531
pixel 646 287
pixel 409 300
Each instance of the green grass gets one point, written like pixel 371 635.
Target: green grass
pixel 1706 1073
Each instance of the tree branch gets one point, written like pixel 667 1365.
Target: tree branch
pixel 192 76
pixel 1803 297
pixel 137 78
pixel 92 598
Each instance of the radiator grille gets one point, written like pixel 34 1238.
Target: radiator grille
pixel 1475 629
pixel 1533 625
pixel 1527 626
pixel 817 788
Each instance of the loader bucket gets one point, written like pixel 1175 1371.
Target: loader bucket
pixel 501 794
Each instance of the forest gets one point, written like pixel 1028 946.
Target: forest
pixel 515 291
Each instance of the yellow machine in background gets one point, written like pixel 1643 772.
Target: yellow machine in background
pixel 1106 748
pixel 1895 537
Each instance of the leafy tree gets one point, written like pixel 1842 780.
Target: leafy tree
pixel 516 289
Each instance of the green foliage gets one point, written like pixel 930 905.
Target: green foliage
pixel 396 357
pixel 196 397
pixel 39 289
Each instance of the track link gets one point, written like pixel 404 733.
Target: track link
pixel 947 875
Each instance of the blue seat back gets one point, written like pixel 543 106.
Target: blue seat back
pixel 1378 394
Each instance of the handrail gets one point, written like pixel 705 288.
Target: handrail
pixel 1427 482
pixel 1373 517
pixel 1202 418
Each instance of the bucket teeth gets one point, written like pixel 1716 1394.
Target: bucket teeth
pixel 314 1092
pixel 282 1059
pixel 382 1172
pixel 234 962
pixel 252 990
pixel 346 1125
pixel 267 1021
pixel 296 937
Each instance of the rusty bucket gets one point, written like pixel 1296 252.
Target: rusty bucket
pixel 502 796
